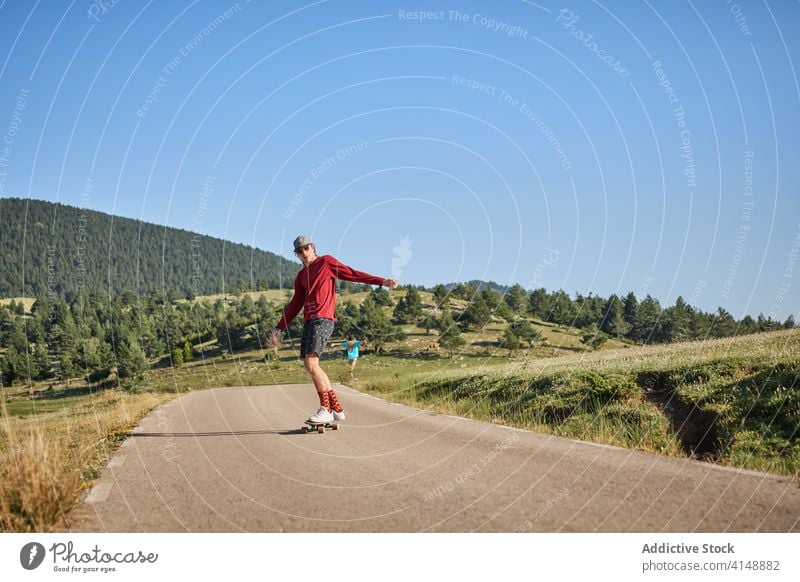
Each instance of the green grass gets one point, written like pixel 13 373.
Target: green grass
pixel 744 390
pixel 734 401
pixel 757 406
pixel 23 408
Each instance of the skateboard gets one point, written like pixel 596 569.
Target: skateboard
pixel 319 426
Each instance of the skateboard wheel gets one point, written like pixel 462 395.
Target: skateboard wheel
pixel 321 429
pixel 305 430
pixel 335 427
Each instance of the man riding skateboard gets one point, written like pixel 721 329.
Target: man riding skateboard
pixel 315 293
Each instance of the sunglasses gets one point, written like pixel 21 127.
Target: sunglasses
pixel 301 249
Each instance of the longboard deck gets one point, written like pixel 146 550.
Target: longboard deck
pixel 319 426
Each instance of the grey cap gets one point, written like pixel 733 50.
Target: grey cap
pixel 301 241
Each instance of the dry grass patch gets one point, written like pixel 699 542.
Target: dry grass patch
pixel 46 460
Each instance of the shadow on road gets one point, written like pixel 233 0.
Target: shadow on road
pixel 214 434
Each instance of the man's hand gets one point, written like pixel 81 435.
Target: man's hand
pixel 390 283
pixel 273 339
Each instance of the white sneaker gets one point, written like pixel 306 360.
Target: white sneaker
pixel 339 415
pixel 322 415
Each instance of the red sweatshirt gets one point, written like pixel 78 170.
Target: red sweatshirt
pixel 315 289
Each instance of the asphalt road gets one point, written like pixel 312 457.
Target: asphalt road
pixel 235 459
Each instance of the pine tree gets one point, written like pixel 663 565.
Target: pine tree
pixel 450 338
pixel 105 357
pixel 510 340
pixel 347 319
pixel 563 310
pixel 6 376
pixel 471 291
pixel 646 323
pixel 748 325
pixel 381 297
pixel 539 304
pixel 177 358
pixel 412 309
pixel 13 333
pixel 264 309
pixel 517 299
pixel 428 323
pixel 40 306
pixel 676 322
pixel 504 311
pixel 65 339
pixel 414 303
pixel 614 323
pixel 173 295
pixel 231 331
pixel 492 298
pixel 151 337
pixel 89 353
pixel 477 314
pixel 187 351
pixel 724 324
pixel 699 324
pixel 173 332
pixel 524 329
pixel 588 310
pixel 12 337
pixel 132 362
pixel 629 307
pixel 375 326
pixel 246 308
pixel 41 361
pixel 14 366
pixel 440 295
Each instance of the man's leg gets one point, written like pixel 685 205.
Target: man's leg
pixel 321 381
pixel 318 334
pixel 325 392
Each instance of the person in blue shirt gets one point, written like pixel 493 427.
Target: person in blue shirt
pixel 351 347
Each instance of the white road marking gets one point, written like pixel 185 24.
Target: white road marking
pixel 99 493
pixel 116 461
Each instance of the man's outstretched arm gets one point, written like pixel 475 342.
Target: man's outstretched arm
pixel 345 273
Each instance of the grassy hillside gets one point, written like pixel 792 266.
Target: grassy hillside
pixel 735 401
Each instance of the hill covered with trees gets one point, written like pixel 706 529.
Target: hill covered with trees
pixel 642 321
pixel 51 248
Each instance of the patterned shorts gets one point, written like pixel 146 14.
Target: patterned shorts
pixel 316 333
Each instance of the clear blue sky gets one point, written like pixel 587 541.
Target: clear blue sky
pixel 594 147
